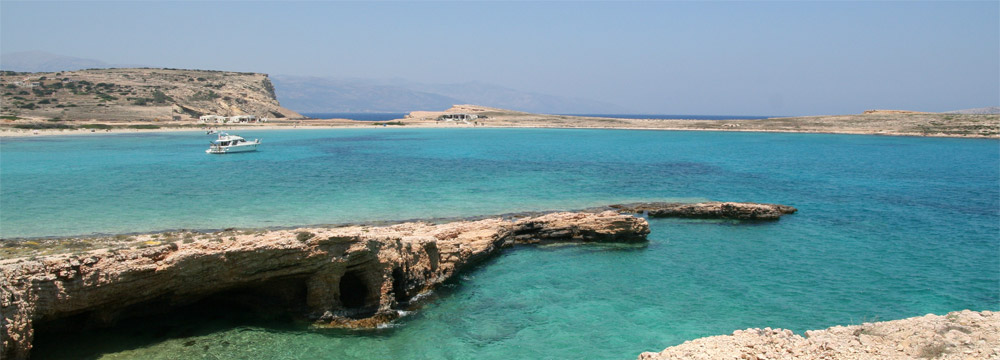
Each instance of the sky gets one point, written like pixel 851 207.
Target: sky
pixel 722 58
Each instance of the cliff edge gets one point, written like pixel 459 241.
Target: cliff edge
pixel 138 94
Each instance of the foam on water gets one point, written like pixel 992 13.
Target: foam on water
pixel 887 228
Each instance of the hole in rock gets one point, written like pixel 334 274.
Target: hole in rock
pixel 399 286
pixel 353 290
pixel 276 304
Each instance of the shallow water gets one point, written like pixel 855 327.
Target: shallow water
pixel 888 227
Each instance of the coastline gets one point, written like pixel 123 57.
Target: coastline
pixel 26 133
pixel 339 277
pixel 438 126
pixel 101 278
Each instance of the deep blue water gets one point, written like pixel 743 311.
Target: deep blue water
pixel 888 227
pixel 357 116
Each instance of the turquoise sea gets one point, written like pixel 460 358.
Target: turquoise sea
pixel 887 228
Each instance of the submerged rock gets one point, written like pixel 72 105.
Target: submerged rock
pixel 353 276
pixel 709 210
pixel 958 335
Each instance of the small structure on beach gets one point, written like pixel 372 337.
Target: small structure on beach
pixel 243 119
pixel 458 117
pixel 231 119
pixel 212 119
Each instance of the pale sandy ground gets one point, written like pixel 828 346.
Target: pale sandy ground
pixel 892 123
pixel 10 132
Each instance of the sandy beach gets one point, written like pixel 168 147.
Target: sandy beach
pixel 892 123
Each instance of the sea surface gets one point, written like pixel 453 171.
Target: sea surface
pixel 676 117
pixel 394 116
pixel 887 228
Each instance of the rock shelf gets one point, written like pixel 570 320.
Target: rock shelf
pixel 352 276
pixel 708 210
pixel 958 335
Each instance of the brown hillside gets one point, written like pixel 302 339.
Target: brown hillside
pixel 138 95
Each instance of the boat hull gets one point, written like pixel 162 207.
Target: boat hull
pixel 232 149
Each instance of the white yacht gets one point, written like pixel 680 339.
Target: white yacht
pixel 231 144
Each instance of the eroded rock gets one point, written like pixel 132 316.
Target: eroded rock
pixel 709 210
pixel 350 276
pixel 958 335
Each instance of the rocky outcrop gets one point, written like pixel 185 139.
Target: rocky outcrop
pixel 709 210
pixel 564 227
pixel 139 94
pixel 344 276
pixel 958 335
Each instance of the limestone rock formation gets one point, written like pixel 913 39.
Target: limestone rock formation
pixel 709 210
pixel 563 227
pixel 347 276
pixel 139 94
pixel 958 335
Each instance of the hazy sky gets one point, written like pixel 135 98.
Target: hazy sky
pixel 753 58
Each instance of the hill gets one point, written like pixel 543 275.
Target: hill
pixel 138 94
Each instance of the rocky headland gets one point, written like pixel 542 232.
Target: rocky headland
pixel 360 276
pixel 146 95
pixel 958 335
pixel 351 276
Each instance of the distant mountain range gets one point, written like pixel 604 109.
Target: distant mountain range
pixel 318 95
pixel 313 94
pixel 40 61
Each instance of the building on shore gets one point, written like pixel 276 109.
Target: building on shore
pixel 232 119
pixel 212 119
pixel 243 119
pixel 458 117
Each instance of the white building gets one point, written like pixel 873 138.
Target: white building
pixel 232 119
pixel 458 116
pixel 212 119
pixel 243 119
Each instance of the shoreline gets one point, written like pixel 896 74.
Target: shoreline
pixel 884 123
pixel 28 133
pixel 655 209
pixel 344 277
